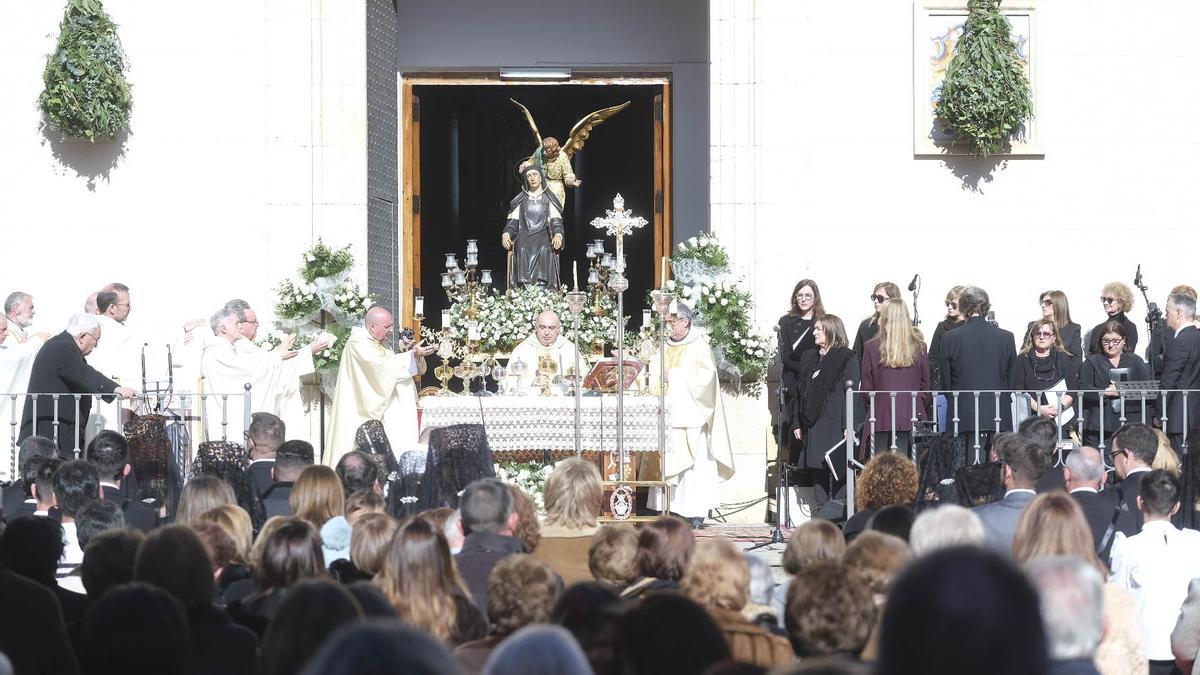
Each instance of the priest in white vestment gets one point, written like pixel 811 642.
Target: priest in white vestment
pixel 375 383
pixel 16 361
pixel 18 314
pixel 118 358
pixel 698 453
pixel 227 365
pixel 546 340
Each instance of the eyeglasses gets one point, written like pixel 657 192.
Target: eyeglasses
pixel 1047 303
pixel 1044 334
pixel 1112 342
pixel 879 298
pixel 805 296
pixel 1107 300
pixel 249 322
pixel 951 305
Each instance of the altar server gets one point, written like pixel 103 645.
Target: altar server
pixel 16 362
pixel 375 383
pixel 698 452
pixel 545 341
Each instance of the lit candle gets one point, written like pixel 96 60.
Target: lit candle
pixel 473 331
pixel 485 277
pixel 645 318
pixel 445 319
pixel 664 271
pixel 419 306
pixel 575 274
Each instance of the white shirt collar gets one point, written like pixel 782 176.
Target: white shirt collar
pixel 1140 469
pixel 1017 490
pixel 1085 489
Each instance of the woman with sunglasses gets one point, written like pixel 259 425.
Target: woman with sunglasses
pixel 953 320
pixel 1116 298
pixel 1056 308
pixel 1096 375
pixel 869 327
pixel 1041 364
pixel 796 336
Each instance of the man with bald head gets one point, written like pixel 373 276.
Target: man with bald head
pixel 375 383
pixel 1084 475
pixel 546 341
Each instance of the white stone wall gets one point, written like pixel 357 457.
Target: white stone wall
pixel 248 142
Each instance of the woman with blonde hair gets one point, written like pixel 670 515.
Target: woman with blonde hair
pixel 718 578
pixel 236 523
pixel 421 581
pixel 573 496
pixel 1052 525
pixel 370 541
pixel 317 495
pixel 201 494
pixel 1165 458
pixel 895 361
pixel 1056 308
pixel 1116 298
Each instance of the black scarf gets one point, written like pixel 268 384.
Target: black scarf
pixel 826 382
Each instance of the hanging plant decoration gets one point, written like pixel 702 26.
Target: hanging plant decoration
pixel 985 97
pixel 86 94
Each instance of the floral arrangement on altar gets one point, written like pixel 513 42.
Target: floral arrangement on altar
pixel 529 476
pixel 321 289
pixel 505 319
pixel 704 282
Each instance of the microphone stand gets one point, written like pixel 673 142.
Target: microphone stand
pixel 1153 317
pixel 915 287
pixel 782 510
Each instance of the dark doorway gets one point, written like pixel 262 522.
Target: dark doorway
pixel 472 138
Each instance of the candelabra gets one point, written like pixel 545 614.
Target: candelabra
pixel 600 267
pixel 619 223
pixel 467 283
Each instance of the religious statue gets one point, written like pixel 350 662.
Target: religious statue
pixel 556 161
pixel 533 232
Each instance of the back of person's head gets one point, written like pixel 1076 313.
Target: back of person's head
pixel 108 561
pixel 370 540
pixel 973 301
pixel 75 483
pixel 888 478
pixel 96 517
pixel 234 520
pixel 317 495
pixel 135 629
pixel 109 453
pixel 421 580
pixel 221 549
pixel 371 599
pixel 291 553
pixel 1085 464
pixel 538 650
pixel 877 558
pixel 1040 430
pixel 35 446
pixel 1053 524
pixel 268 433
pixel 762 580
pixel 574 494
pixel 201 494
pixel 812 628
pixel 357 471
pixel 669 634
pixel 612 555
pixel 1026 460
pixel 717 576
pixel 528 528
pixel 485 505
pixel 825 665
pixel 520 591
pixel 946 526
pixel 39 472
pixel 175 559
pixel 382 647
pixel 811 541
pixel 962 610
pixel 1072 604
pixel 896 520
pixel 592 612
pixel 1160 493
pixel 31 547
pixel 1138 440
pixel 290 459
pixel 311 612
pixel 664 548
pixel 1165 457
pixel 363 502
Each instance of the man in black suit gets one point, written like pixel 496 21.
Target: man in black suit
pixel 1084 474
pixel 34 638
pixel 267 432
pixel 1022 463
pixel 109 453
pixel 978 356
pixel 358 472
pixel 489 521
pixel 39 482
pixel 1133 449
pixel 1181 369
pixel 18 492
pixel 60 368
pixel 290 461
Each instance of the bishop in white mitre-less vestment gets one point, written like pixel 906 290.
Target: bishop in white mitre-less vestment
pixel 546 340
pixel 16 362
pixel 375 383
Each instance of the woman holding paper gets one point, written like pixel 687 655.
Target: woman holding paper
pixel 1044 363
pixel 1096 375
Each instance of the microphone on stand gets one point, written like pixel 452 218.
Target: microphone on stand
pixel 912 285
pixel 914 288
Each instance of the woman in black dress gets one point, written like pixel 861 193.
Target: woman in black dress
pixel 1041 364
pixel 795 338
pixel 869 327
pixel 1117 299
pixel 1055 307
pixel 953 320
pixel 1095 375
pixel 824 372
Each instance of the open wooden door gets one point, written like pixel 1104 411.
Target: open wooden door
pixel 662 180
pixel 410 202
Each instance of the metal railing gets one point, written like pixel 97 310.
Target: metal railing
pixel 1141 401
pixel 192 408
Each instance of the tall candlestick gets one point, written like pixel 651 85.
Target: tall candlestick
pixel 645 318
pixel 575 275
pixel 445 319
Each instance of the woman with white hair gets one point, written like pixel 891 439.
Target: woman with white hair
pixel 945 526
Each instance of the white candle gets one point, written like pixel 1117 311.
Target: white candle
pixel 575 274
pixel 419 306
pixel 445 319
pixel 472 331
pixel 645 318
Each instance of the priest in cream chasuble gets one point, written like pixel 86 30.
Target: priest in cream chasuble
pixel 546 340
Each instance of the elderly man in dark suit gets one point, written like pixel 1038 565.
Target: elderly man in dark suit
pixel 1134 447
pixel 1022 464
pixel 60 368
pixel 1181 370
pixel 978 356
pixel 1084 474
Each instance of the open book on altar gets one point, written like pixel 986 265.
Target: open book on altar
pixel 603 376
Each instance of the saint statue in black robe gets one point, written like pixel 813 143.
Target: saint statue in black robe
pixel 534 232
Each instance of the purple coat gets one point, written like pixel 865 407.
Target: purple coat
pixel 877 377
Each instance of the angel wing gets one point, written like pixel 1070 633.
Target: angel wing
pixel 583 128
pixel 532 125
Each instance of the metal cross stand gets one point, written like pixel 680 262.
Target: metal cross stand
pixel 619 223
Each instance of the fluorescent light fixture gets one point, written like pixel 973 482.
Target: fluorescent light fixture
pixel 535 73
